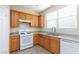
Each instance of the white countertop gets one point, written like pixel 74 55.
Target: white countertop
pixel 64 36
pixel 14 34
pixel 61 36
pixel 74 38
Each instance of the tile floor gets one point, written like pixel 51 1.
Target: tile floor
pixel 33 50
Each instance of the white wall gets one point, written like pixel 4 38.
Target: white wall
pixel 78 17
pixel 4 28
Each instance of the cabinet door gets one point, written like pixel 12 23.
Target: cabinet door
pixel 12 18
pixel 22 16
pixel 42 41
pixel 41 21
pixel 35 39
pixel 34 21
pixel 29 17
pixel 55 45
pixel 16 19
pixel 14 44
pixel 46 43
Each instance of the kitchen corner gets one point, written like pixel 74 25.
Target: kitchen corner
pixel 38 35
pixel 53 30
pixel 46 39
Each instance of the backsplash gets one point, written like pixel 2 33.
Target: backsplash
pixel 47 30
pixel 14 30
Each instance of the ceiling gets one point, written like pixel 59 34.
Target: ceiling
pixel 35 8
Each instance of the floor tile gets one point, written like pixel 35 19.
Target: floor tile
pixel 33 50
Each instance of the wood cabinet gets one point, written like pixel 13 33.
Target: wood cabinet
pixel 14 19
pixel 37 21
pixel 41 41
pixel 35 39
pixel 55 45
pixel 15 16
pixel 44 41
pixel 14 43
pixel 50 43
pixel 29 17
pixel 34 22
pixel 41 21
pixel 22 16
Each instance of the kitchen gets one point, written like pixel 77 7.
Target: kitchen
pixel 39 29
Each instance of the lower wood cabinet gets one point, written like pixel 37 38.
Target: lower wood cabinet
pixel 14 43
pixel 50 43
pixel 35 39
pixel 55 45
pixel 41 41
pixel 44 41
pixel 47 43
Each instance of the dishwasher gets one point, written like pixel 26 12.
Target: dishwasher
pixel 69 46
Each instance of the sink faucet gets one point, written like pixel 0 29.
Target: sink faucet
pixel 54 30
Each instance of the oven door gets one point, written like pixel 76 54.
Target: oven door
pixel 26 41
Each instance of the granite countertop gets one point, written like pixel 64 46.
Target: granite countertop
pixel 58 35
pixel 62 36
pixel 14 34
pixel 70 37
pixel 49 34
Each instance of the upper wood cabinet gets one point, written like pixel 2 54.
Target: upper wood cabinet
pixel 34 21
pixel 14 19
pixel 29 17
pixel 22 16
pixel 41 21
pixel 37 21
